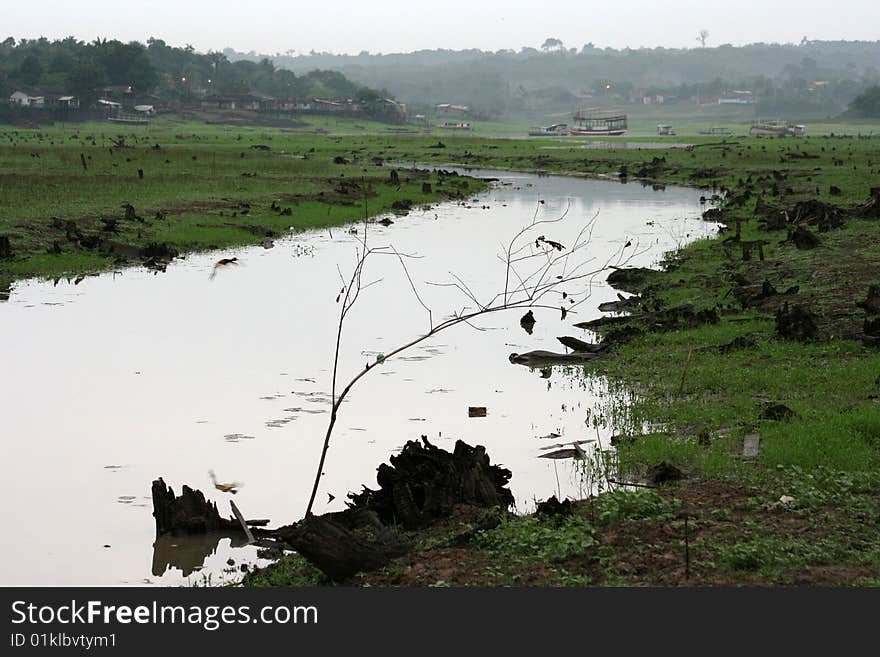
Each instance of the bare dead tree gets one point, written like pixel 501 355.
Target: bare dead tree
pixel 702 37
pixel 536 268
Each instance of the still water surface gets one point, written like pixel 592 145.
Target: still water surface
pixel 126 377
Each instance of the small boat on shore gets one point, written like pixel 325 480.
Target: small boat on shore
pixel 776 129
pixel 555 130
pixel 716 131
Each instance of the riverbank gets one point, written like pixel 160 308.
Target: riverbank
pixel 776 432
pixel 80 200
pixel 804 510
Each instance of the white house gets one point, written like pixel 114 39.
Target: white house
pixel 20 98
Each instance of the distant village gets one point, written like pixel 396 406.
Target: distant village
pixel 122 103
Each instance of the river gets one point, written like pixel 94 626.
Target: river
pixel 132 375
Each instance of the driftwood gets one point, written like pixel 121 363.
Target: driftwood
pixel 539 358
pixel 668 319
pixel 621 305
pixel 242 522
pixel 580 346
pixel 630 279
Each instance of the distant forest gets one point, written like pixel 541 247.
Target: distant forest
pixel 70 66
pixel 806 79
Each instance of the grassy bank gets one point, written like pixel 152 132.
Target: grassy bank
pixel 62 191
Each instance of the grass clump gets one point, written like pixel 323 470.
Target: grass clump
pixel 618 506
pixel 532 538
pixel 290 570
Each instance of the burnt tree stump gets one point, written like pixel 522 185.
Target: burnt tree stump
pixel 190 513
pixel 345 543
pixel 5 247
pixel 871 304
pixel 424 483
pixel 796 323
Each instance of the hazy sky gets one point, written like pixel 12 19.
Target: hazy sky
pixel 385 26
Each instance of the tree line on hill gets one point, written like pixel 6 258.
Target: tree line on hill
pixel 172 74
pixel 806 79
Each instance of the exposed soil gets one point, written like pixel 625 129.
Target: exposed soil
pixel 651 552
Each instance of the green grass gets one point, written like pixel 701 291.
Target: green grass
pixel 214 187
pixel 289 570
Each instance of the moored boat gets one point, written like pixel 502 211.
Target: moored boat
pixel 555 130
pixel 598 123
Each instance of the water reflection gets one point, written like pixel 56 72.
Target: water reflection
pixel 189 553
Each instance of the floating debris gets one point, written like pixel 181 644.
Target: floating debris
pixel 575 443
pixel 235 437
pixel 574 452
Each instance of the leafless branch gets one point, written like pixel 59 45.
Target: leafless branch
pixel 551 268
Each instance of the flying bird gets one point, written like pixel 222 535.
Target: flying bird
pixel 225 488
pixel 223 262
pixel 550 243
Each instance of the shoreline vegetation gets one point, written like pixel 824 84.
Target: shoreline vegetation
pixel 767 405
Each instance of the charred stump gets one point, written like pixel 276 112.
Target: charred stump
pixel 748 248
pixel 803 238
pixel 424 483
pixel 871 304
pixel 342 544
pixel 796 323
pixel 5 247
pixel 190 513
pixel 871 208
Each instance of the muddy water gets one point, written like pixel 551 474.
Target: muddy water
pixel 111 383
